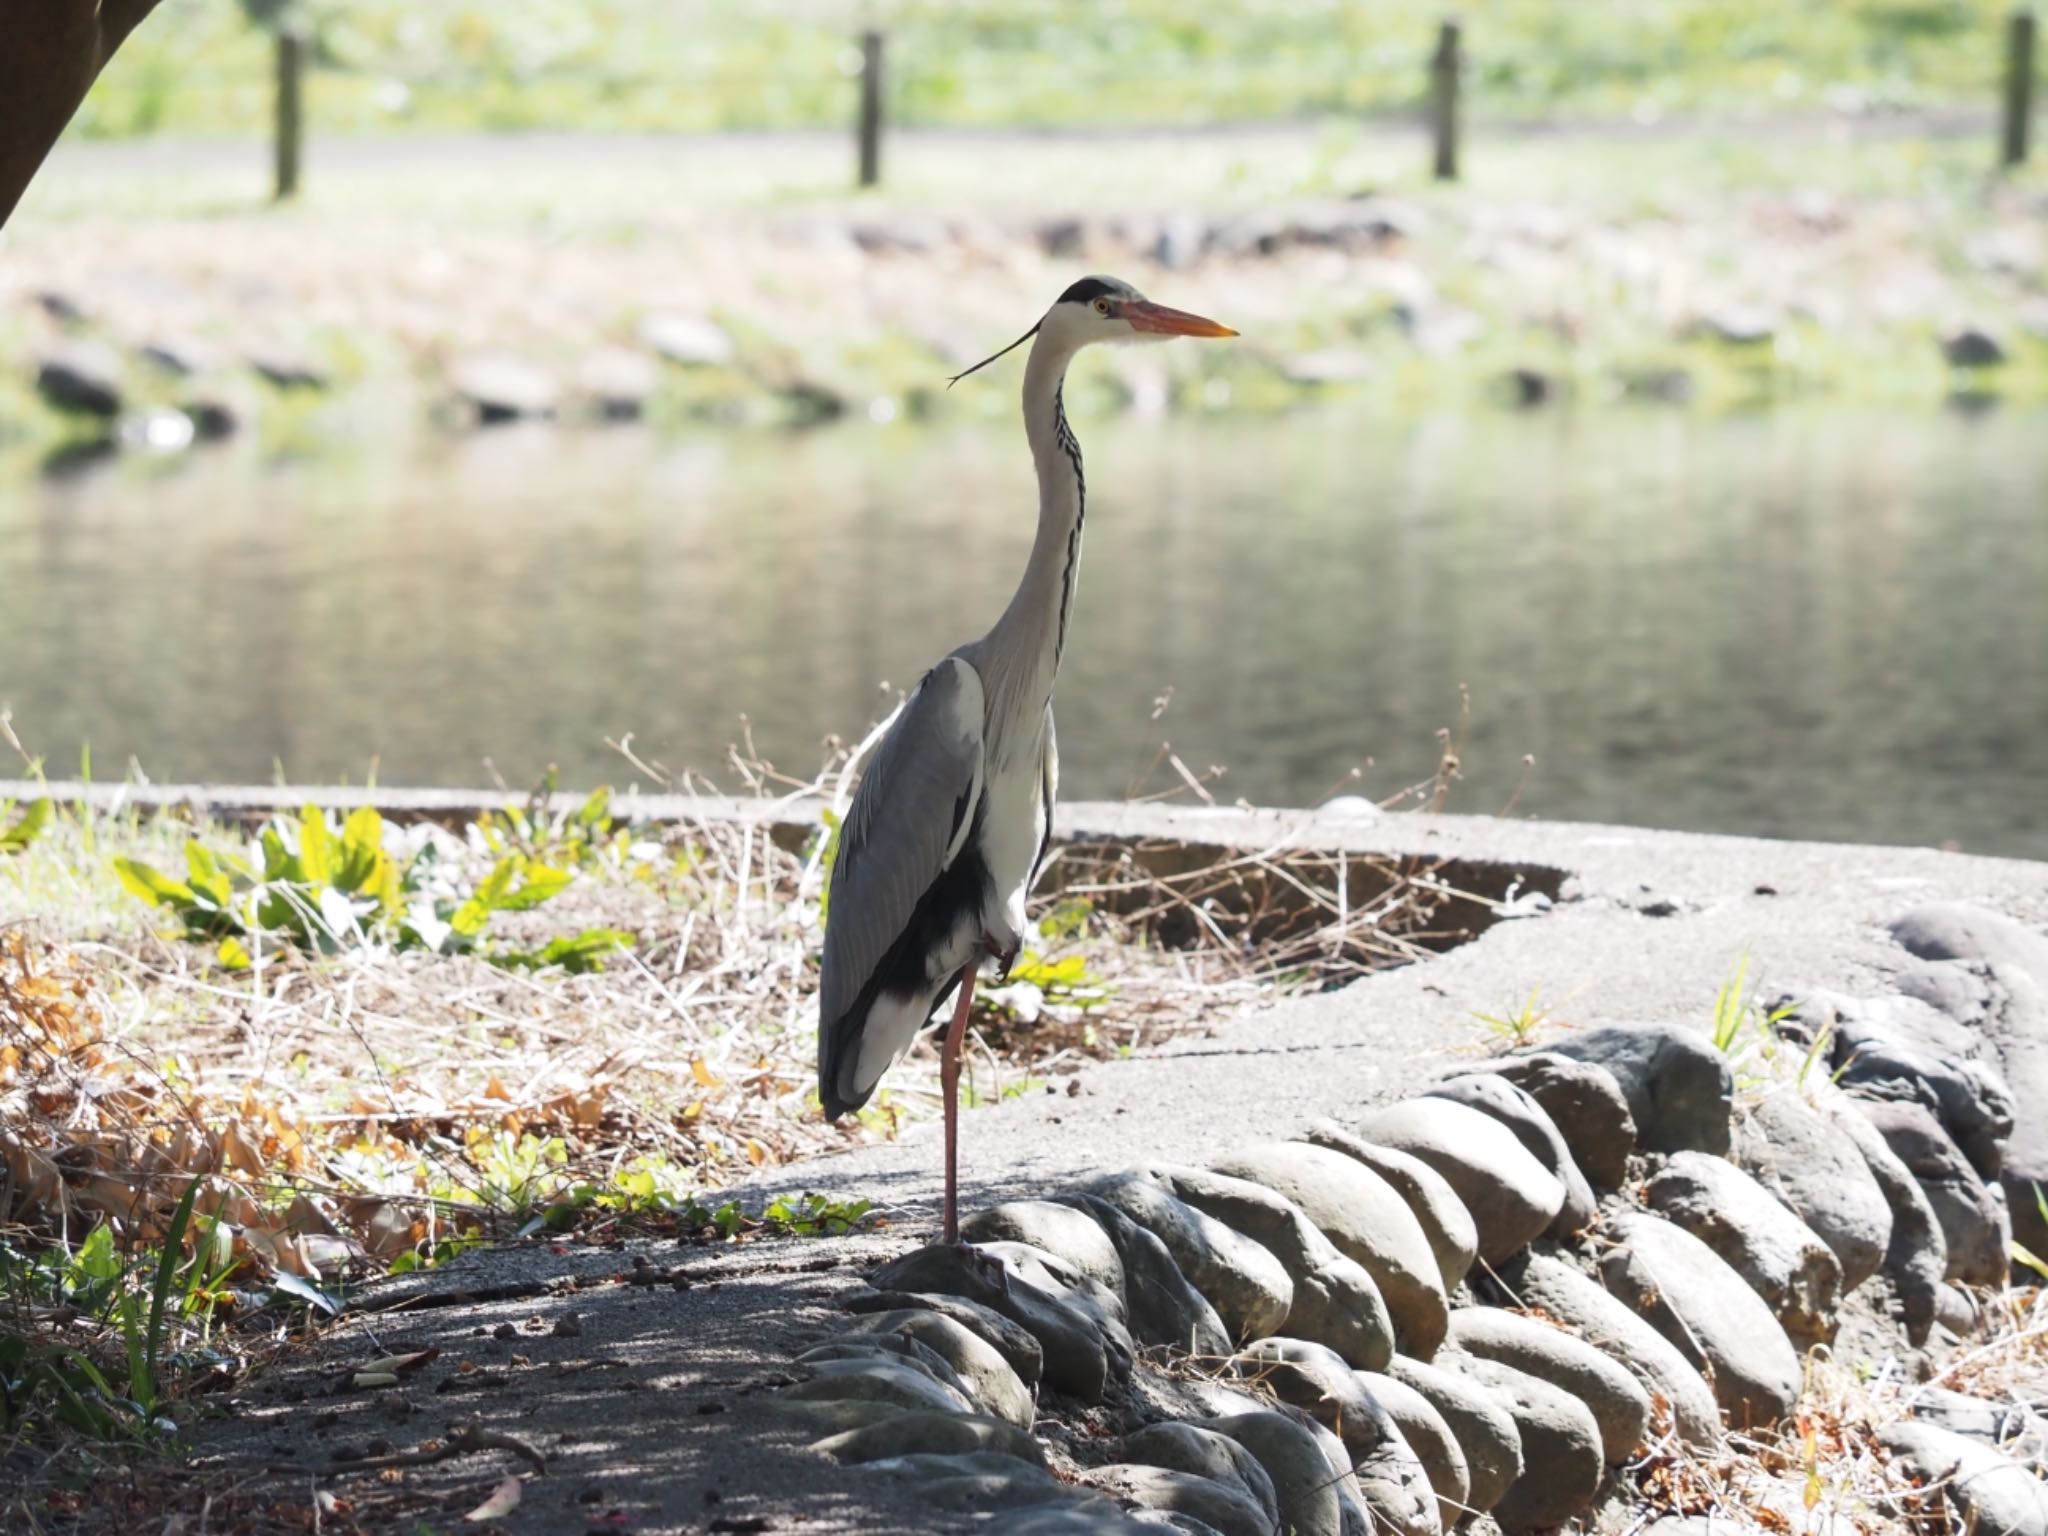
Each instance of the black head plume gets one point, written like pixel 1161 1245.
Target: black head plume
pixel 1013 346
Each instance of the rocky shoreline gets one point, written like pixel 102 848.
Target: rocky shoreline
pixel 161 331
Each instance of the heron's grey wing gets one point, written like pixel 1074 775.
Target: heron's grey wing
pixel 907 823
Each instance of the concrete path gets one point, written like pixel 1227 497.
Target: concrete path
pixel 653 1407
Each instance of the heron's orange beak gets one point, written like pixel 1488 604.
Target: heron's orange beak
pixel 1144 315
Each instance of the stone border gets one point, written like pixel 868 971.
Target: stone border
pixel 1485 1301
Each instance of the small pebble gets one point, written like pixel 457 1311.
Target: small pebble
pixel 568 1326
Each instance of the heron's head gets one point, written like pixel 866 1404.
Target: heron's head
pixel 1106 309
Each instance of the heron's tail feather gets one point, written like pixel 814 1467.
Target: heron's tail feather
pixel 867 1040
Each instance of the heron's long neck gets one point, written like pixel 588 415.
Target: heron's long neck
pixel 1022 652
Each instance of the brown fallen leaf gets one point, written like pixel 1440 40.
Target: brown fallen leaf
pixel 502 1501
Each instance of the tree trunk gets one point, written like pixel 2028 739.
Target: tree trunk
pixel 51 51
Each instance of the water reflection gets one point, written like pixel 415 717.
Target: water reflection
pixel 1829 625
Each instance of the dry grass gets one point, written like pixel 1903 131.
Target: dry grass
pixel 345 1109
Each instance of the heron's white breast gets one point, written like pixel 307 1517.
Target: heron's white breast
pixel 1013 824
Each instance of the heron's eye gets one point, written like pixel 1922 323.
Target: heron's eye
pixel 1102 306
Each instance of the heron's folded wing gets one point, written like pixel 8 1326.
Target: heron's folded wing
pixel 907 823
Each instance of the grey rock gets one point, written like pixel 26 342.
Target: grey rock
pixel 1225 1508
pixel 1494 1096
pixel 1906 1050
pixel 1429 1436
pixel 213 417
pixel 1989 1493
pixel 285 365
pixel 1335 1300
pixel 1177 1521
pixel 1051 1275
pixel 1316 1380
pixel 1485 1431
pixel 972 1480
pixel 1585 1102
pixel 1019 1349
pixel 1972 347
pixel 1057 1228
pixel 839 1415
pixel 1739 325
pixel 897 1383
pixel 1247 1286
pixel 1618 1401
pixel 179 356
pixel 1773 1250
pixel 1294 1463
pixel 1204 1453
pixel 1676 1084
pixel 1391 1481
pixel 897 1348
pixel 988 1377
pixel 1163 1307
pixel 501 387
pixel 1512 1198
pixel 1368 1221
pixel 1561 1461
pixel 1526 386
pixel 1453 1238
pixel 690 340
pixel 2018 1430
pixel 1353 1518
pixel 1327 365
pixel 1083 1351
pixel 1083 1517
pixel 618 382
pixel 1972 1213
pixel 1683 1289
pixel 1990 975
pixel 1815 1171
pixel 942 1434
pixel 1678 1088
pixel 1563 1293
pixel 81 376
pixel 1916 1258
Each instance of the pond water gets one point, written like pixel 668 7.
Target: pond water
pixel 1824 624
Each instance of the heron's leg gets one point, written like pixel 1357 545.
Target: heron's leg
pixel 949 1082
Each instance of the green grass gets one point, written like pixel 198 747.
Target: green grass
pixel 111 1376
pixel 698 65
pixel 1513 1028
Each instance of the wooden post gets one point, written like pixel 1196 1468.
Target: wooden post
pixel 2019 87
pixel 1445 67
pixel 870 127
pixel 291 69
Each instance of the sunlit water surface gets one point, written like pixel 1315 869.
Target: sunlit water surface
pixel 1814 624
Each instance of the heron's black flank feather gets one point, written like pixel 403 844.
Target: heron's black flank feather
pixel 1071 447
pixel 961 891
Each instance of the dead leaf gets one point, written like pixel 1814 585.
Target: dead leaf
pixel 503 1500
pixel 407 1362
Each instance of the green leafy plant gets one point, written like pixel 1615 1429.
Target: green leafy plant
pixel 134 1302
pixel 26 827
pixel 814 1215
pixel 2021 1253
pixel 319 887
pixel 572 839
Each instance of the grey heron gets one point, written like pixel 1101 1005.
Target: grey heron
pixel 954 811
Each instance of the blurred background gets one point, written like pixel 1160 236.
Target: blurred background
pixel 1657 391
